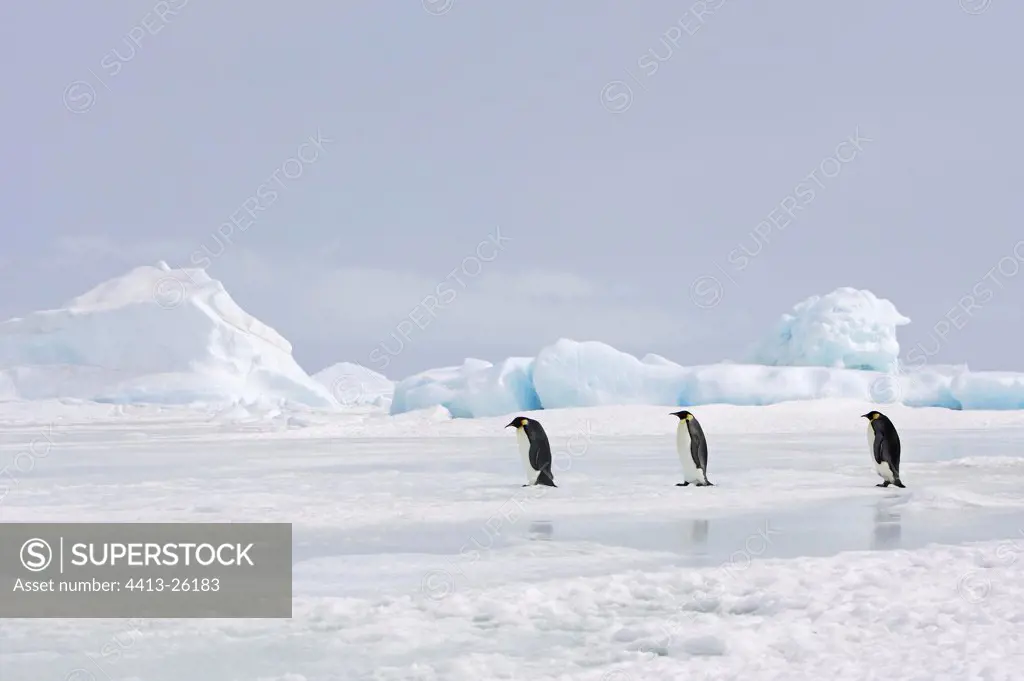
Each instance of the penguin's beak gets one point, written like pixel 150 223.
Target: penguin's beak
pixel 511 424
pixel 863 416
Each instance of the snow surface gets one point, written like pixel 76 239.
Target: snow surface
pixel 847 328
pixel 419 557
pixel 154 335
pixel 354 384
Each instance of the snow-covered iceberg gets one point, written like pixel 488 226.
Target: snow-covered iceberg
pixel 847 329
pixel 355 385
pixel 585 374
pixel 571 374
pixel 156 335
pixel 476 388
pixel 840 345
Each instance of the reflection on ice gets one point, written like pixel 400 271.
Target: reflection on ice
pixel 541 530
pixel 816 530
pixel 699 532
pixel 888 528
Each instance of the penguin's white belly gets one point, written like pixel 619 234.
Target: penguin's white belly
pixel 882 469
pixel 524 451
pixel 690 471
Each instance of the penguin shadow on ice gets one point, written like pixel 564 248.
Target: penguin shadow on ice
pixel 534 450
pixel 884 446
pixel 692 447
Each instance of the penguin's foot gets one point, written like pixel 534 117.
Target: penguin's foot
pixel 883 484
pixel 546 480
pixel 682 484
pixel 900 484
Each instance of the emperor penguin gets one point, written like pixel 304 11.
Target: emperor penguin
pixel 693 450
pixel 535 450
pixel 884 444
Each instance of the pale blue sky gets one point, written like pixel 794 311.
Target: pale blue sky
pixel 442 128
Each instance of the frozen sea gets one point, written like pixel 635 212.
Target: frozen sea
pixel 419 556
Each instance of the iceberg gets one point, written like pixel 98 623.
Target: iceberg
pixel 153 335
pixel 841 345
pixel 356 385
pixel 475 388
pixel 570 374
pixel 847 328
pixel 175 336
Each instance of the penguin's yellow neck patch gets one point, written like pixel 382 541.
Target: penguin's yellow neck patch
pixel 522 423
pixel 688 417
pixel 873 416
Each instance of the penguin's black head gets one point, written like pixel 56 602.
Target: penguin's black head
pixel 519 422
pixel 683 415
pixel 872 415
